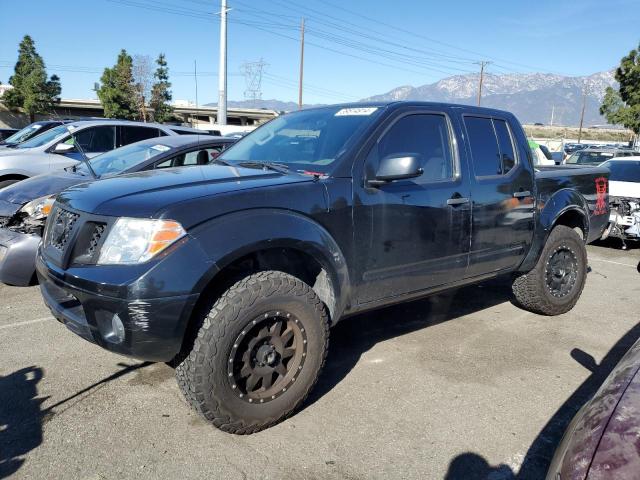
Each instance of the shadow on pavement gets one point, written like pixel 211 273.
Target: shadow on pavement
pixel 540 453
pixel 471 466
pixel 21 416
pixel 353 336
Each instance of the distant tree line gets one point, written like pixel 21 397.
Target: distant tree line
pixel 129 90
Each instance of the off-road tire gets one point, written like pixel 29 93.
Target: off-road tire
pixel 531 289
pixel 203 375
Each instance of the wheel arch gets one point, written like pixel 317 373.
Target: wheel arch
pixel 268 239
pixel 565 207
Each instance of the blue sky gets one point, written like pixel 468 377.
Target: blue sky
pixel 355 48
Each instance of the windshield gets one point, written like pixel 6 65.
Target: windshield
pixel 584 157
pixel 305 141
pixel 124 158
pixel 624 170
pixel 46 137
pixel 22 135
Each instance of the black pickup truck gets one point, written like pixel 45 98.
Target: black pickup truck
pixel 234 272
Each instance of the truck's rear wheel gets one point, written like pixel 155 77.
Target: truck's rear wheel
pixel 258 353
pixel 555 284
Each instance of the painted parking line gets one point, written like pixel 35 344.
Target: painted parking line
pixel 28 322
pixel 611 261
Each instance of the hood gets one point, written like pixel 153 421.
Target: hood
pixel 143 194
pixel 624 189
pixel 39 186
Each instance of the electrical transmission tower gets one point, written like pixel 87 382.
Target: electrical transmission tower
pixel 253 80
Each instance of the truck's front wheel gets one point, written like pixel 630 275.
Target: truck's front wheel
pixel 554 285
pixel 257 354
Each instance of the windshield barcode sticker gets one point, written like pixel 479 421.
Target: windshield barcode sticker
pixel 355 111
pixel 161 148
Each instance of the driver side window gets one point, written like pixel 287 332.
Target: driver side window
pixel 426 136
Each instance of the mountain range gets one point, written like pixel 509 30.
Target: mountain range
pixel 530 96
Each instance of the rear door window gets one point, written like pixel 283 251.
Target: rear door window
pixel 505 143
pixel 130 134
pixel 492 146
pixel 484 146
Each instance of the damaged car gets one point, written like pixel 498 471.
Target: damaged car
pixel 24 206
pixel 624 199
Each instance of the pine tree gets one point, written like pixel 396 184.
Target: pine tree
pixel 31 90
pixel 160 92
pixel 623 106
pixel 117 89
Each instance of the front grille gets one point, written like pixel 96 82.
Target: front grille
pixel 94 241
pixel 87 244
pixel 60 227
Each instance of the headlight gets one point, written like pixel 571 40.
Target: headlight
pixel 136 240
pixel 40 207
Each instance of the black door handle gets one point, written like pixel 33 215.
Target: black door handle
pixel 524 194
pixel 457 201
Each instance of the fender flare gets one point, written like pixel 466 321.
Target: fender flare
pixel 230 237
pixel 561 202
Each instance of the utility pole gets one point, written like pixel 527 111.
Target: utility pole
pixel 553 111
pixel 584 104
pixel 482 64
pixel 194 122
pixel 222 70
pixel 301 64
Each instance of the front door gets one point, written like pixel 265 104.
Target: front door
pixel 413 234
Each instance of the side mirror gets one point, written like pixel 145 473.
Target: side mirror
pixel 397 166
pixel 63 148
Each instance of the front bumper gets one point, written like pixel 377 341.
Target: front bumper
pixel 153 327
pixel 17 257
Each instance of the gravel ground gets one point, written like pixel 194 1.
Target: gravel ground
pixel 460 385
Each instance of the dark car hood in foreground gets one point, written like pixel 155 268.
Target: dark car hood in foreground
pixel 603 441
pixel 143 194
pixel 13 197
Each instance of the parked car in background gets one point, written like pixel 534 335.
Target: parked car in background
pixel 602 441
pixel 65 145
pixel 539 157
pixel 596 156
pixel 624 199
pixel 6 133
pixel 569 148
pixel 234 272
pixel 30 131
pixel 24 206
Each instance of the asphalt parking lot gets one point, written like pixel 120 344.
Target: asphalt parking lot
pixel 461 385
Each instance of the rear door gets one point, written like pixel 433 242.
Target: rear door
pixel 502 190
pixel 412 234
